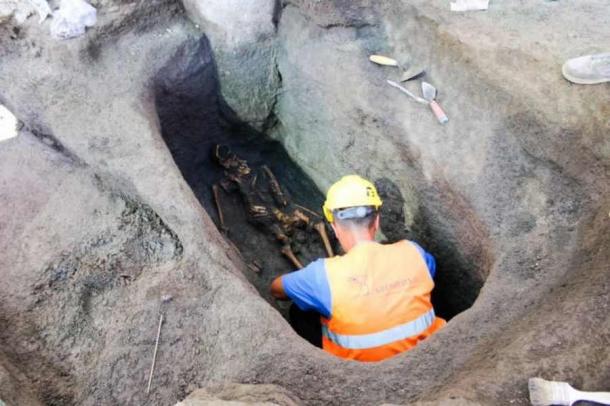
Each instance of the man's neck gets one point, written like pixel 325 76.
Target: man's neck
pixel 356 240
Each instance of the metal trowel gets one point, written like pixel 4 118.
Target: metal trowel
pixel 408 93
pixel 429 93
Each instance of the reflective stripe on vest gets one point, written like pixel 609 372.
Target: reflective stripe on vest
pixel 401 332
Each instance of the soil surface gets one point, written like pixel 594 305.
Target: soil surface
pixel 107 223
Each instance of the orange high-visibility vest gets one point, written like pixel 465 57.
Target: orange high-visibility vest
pixel 381 304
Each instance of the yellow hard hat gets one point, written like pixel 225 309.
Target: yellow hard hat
pixel 350 191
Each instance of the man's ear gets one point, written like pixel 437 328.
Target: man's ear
pixel 376 222
pixel 334 227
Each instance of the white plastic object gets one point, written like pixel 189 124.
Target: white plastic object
pixel 8 124
pixel 72 18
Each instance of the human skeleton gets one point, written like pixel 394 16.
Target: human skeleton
pixel 276 215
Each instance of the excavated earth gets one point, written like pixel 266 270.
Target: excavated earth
pixel 107 222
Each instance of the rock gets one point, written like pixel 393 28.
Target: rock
pixel 241 394
pixel 242 34
pixel 14 9
pixel 234 22
pixel 6 11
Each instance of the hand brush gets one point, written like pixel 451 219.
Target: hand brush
pixel 546 393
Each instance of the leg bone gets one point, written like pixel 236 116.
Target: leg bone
pixel 287 251
pixel 215 191
pixel 322 231
pixel 276 190
pixel 300 216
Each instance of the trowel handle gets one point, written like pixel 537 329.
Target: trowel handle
pixel 438 112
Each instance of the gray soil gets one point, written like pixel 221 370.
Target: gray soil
pixel 105 205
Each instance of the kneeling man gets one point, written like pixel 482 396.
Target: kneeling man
pixel 374 301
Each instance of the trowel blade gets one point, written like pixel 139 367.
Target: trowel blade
pixel 411 73
pixel 428 91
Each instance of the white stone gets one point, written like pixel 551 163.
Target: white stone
pixel 236 21
pixel 242 35
pixel 17 10
pixel 7 9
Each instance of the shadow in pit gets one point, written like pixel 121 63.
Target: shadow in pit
pixel 194 118
pixel 441 231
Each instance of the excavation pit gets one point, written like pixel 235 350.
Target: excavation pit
pixel 195 119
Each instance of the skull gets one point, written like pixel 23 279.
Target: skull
pixel 230 161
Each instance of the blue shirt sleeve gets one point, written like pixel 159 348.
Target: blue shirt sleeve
pixel 428 258
pixel 308 288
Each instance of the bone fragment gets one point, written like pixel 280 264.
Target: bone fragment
pixel 313 212
pixel 298 214
pixel 254 267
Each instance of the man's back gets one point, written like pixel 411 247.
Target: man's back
pixel 380 301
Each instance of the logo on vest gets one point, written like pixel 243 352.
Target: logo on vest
pixel 391 287
pixel 361 287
